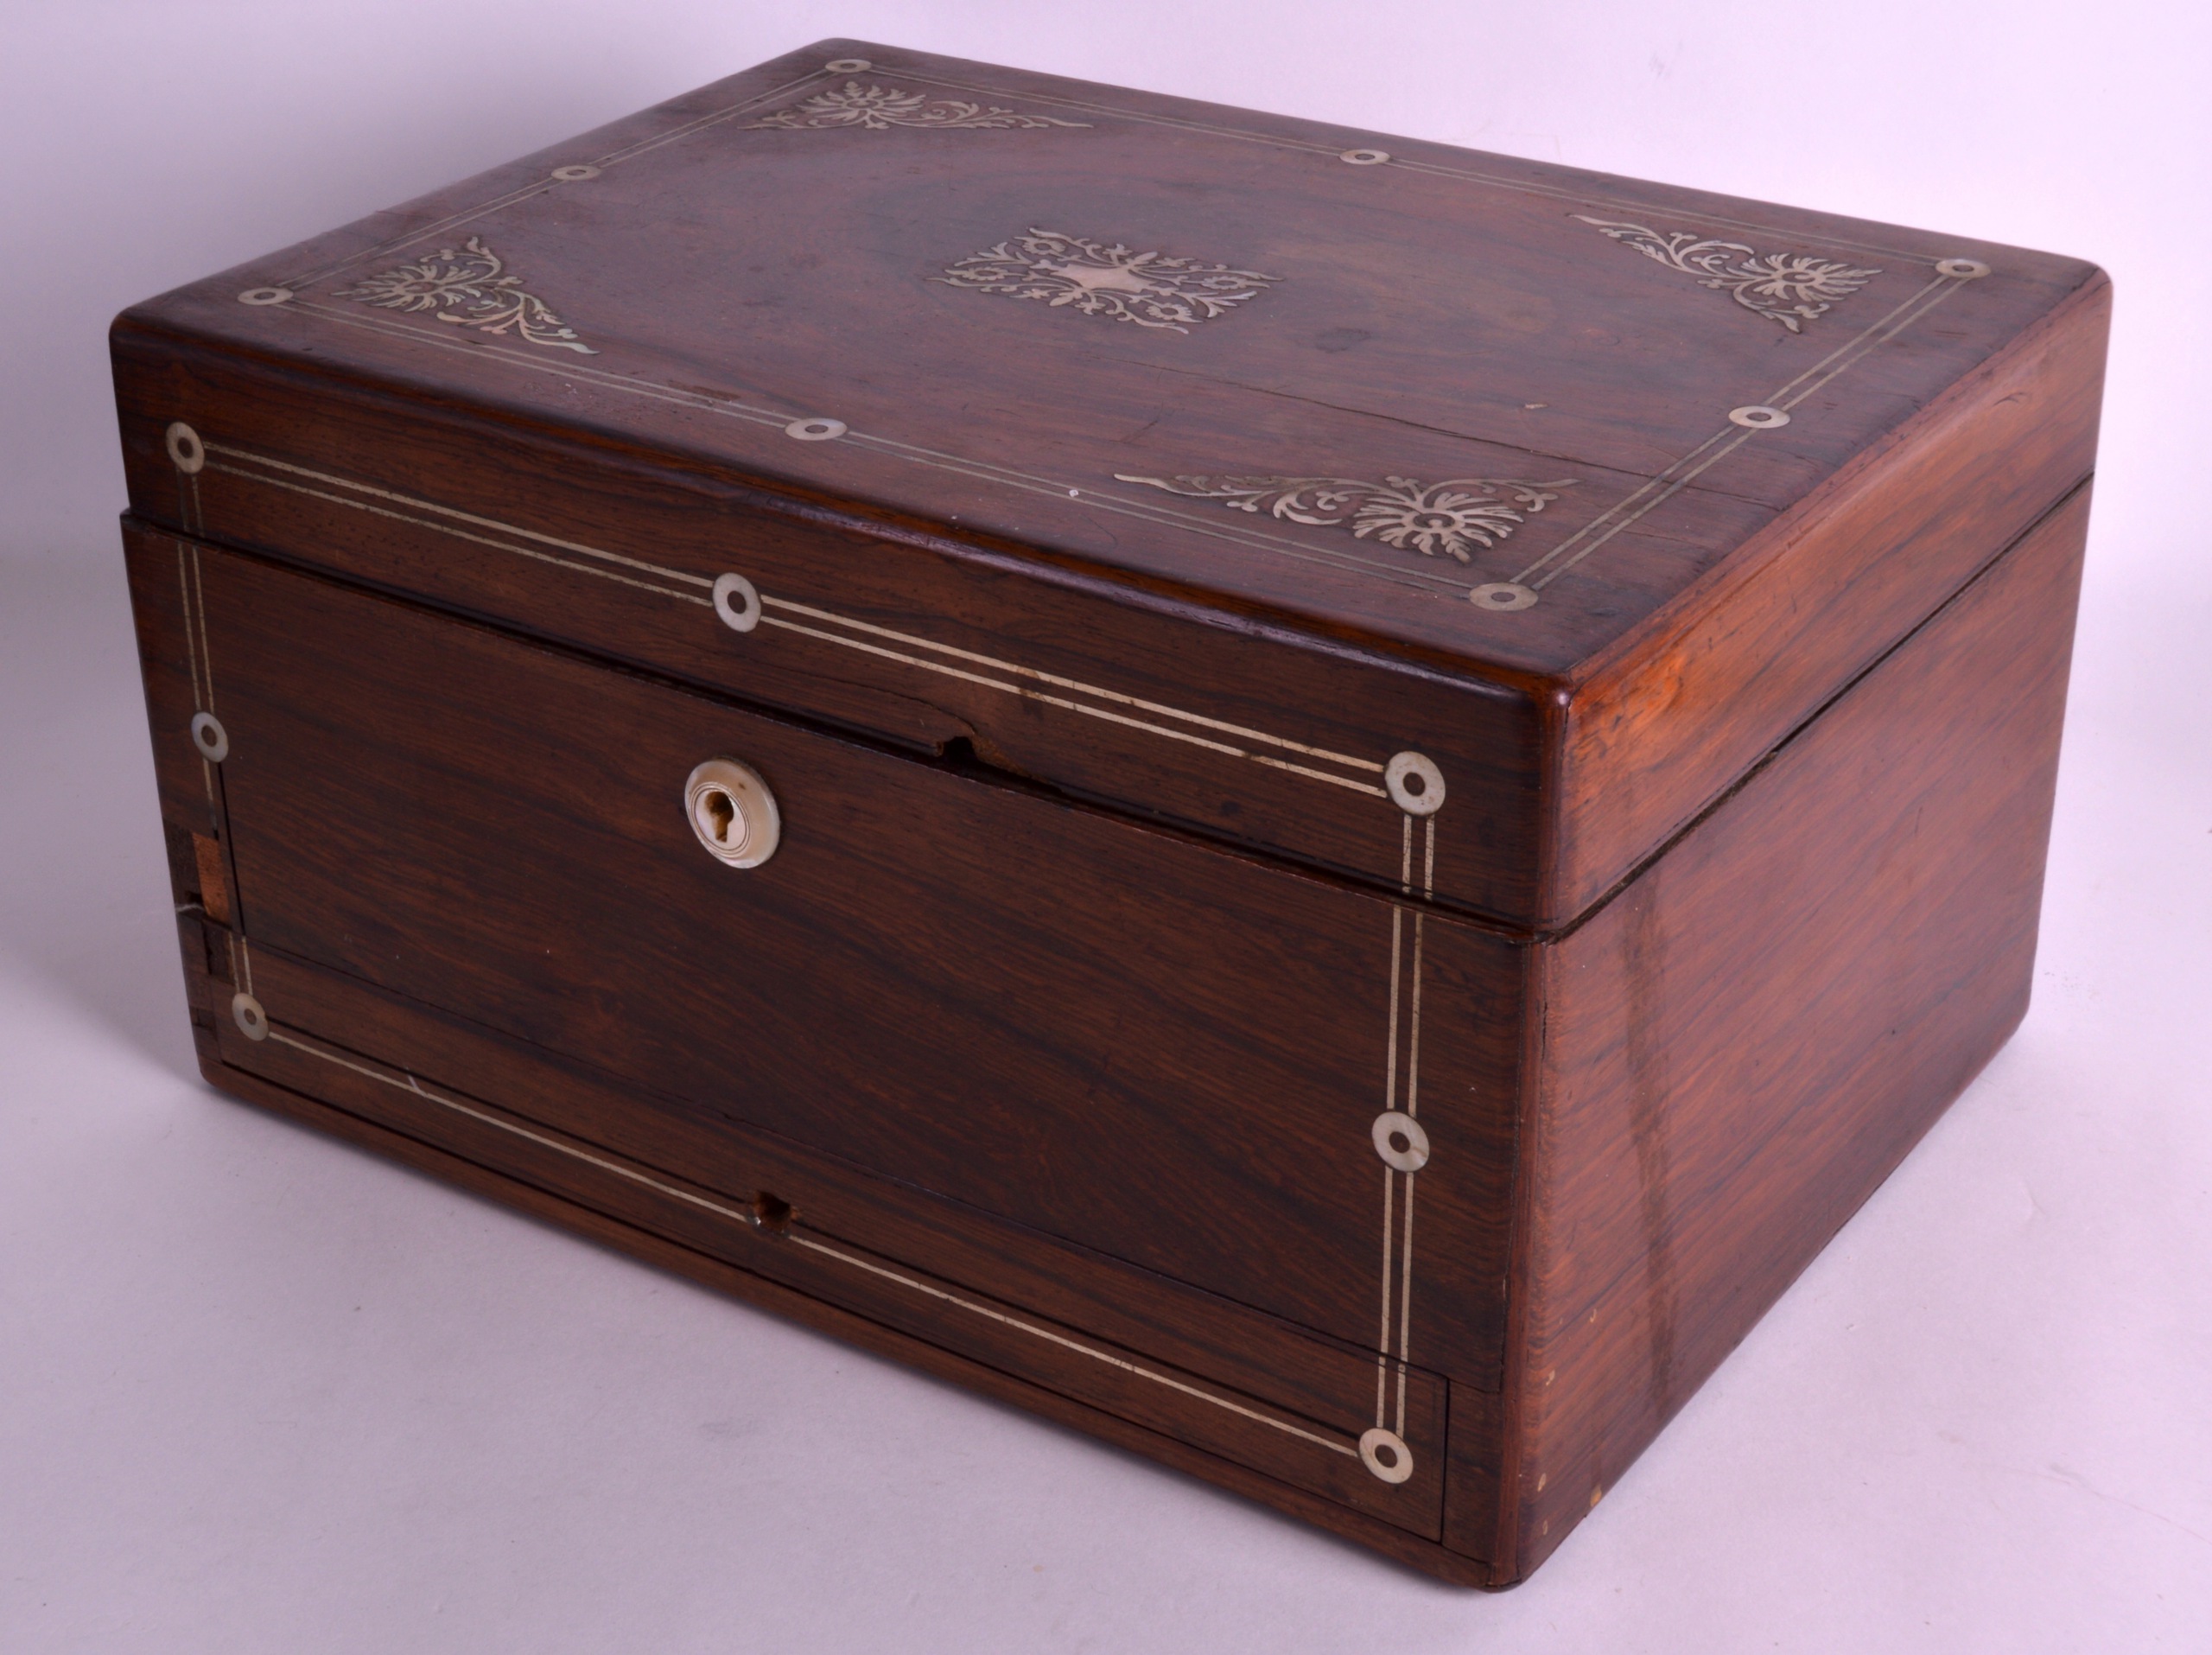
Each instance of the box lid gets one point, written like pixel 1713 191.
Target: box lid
pixel 1665 469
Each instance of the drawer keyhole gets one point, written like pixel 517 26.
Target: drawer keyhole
pixel 732 812
pixel 772 1214
pixel 722 816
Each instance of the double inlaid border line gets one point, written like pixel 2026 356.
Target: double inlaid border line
pixel 1108 715
pixel 404 1081
pixel 1304 146
pixel 1383 1451
pixel 1240 135
pixel 982 470
pixel 1724 442
pixel 198 662
pixel 1405 971
pixel 544 186
pixel 1645 499
pixel 1029 682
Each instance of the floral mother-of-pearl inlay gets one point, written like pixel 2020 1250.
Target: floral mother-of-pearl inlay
pixel 1098 279
pixel 473 288
pixel 878 109
pixel 1447 518
pixel 1792 288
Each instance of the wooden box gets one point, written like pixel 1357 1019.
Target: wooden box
pixel 1316 802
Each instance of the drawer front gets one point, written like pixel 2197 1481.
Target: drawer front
pixel 1210 1373
pixel 1135 1043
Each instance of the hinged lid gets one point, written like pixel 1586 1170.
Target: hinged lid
pixel 1607 485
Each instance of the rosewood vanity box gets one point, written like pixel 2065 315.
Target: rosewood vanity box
pixel 1316 803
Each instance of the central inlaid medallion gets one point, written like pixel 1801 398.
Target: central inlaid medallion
pixel 1149 289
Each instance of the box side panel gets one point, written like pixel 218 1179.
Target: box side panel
pixel 1741 1045
pixel 1664 723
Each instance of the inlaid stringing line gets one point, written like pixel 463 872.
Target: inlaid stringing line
pixel 1250 539
pixel 1390 1102
pixel 1102 713
pixel 460 534
pixel 1007 477
pixel 1087 688
pixel 187 500
pixel 427 233
pixel 645 146
pixel 1397 1260
pixel 200 624
pixel 1495 181
pixel 1085 1350
pixel 409 1082
pixel 1935 294
pixel 1669 486
pixel 1628 502
pixel 185 555
pixel 242 960
pixel 1413 1039
pixel 1936 291
pixel 1406 1302
pixel 200 661
pixel 191 633
pixel 541 186
pixel 1130 505
pixel 1413 1108
pixel 1862 338
pixel 1172 122
pixel 421 505
pixel 1382 1345
pixel 1390 1060
pixel 1679 475
pixel 203 696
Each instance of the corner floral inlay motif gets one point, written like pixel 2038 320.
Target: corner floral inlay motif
pixel 1792 288
pixel 878 109
pixel 473 288
pixel 1444 518
pixel 1150 289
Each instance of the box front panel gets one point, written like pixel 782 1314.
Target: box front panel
pixel 1125 1041
pixel 1276 737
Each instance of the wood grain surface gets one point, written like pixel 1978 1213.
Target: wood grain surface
pixel 1141 699
pixel 1666 722
pixel 1741 1046
pixel 1439 315
pixel 1086 659
pixel 1386 1538
pixel 1132 1042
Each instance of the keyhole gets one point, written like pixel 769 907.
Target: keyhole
pixel 772 1214
pixel 1400 1142
pixel 1388 1455
pixel 1415 783
pixel 722 811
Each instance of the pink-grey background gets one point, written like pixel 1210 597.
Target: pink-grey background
pixel 261 1393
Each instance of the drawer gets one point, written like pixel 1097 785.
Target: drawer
pixel 1219 1377
pixel 1121 1039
